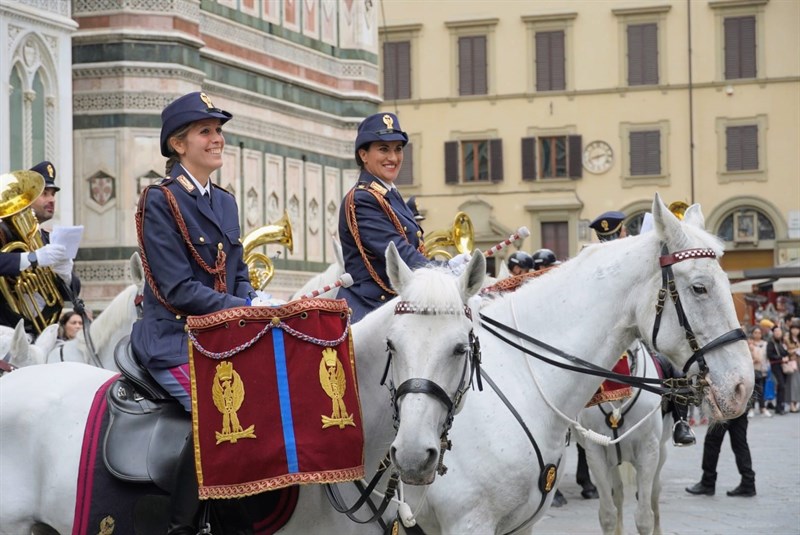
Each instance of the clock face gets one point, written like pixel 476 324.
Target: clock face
pixel 598 157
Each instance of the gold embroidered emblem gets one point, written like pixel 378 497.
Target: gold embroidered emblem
pixel 186 183
pixel 604 224
pixel 388 121
pixel 550 479
pixel 227 391
pixel 106 526
pixel 334 383
pixel 50 171
pixel 206 100
pixel 379 188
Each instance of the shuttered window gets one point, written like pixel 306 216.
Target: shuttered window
pixel 645 155
pixel 740 47
pixel 406 175
pixel 473 161
pixel 472 65
pixel 550 61
pixel 529 158
pixel 548 157
pixel 642 54
pixel 397 70
pixel 741 148
pixel 555 236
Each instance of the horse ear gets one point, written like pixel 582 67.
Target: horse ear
pixel 47 340
pixel 668 227
pixel 471 279
pixel 694 216
pixel 337 251
pixel 137 272
pixel 399 273
pixel 21 347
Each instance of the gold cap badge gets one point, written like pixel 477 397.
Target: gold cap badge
pixel 388 121
pixel 50 171
pixel 206 100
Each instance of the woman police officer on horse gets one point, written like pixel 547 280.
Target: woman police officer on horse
pixel 188 233
pixel 373 213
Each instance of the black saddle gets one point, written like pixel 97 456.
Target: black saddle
pixel 147 427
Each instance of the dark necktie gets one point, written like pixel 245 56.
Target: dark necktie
pixel 207 197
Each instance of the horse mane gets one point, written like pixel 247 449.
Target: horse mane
pixel 111 320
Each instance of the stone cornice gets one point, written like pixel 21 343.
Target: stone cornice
pixel 24 14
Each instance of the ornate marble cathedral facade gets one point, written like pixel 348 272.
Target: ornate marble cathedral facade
pixel 89 79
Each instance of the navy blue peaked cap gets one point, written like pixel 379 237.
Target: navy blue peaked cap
pixel 48 171
pixel 380 127
pixel 608 224
pixel 184 110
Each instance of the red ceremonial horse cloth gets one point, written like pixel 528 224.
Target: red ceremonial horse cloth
pixel 274 398
pixel 612 390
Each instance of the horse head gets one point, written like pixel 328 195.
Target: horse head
pixel 432 356
pixel 694 322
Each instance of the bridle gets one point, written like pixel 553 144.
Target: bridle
pixel 666 261
pixel 420 385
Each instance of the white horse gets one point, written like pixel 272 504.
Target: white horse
pixel 42 445
pixel 593 306
pixel 644 433
pixel 111 325
pixel 16 349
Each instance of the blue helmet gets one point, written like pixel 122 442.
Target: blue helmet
pixel 543 258
pixel 521 259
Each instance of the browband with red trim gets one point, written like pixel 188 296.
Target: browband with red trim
pixel 686 254
pixel 407 307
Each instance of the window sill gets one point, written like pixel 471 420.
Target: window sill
pixel 630 181
pixel 755 175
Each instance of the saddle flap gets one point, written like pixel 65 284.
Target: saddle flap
pixel 144 437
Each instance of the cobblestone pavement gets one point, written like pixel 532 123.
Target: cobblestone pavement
pixel 775 448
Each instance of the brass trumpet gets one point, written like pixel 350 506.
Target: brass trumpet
pixel 260 266
pixel 33 294
pixel 678 208
pixel 461 236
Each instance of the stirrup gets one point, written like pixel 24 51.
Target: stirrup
pixel 691 432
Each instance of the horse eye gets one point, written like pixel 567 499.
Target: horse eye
pixel 459 350
pixel 699 289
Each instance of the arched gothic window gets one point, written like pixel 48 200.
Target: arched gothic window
pixel 734 227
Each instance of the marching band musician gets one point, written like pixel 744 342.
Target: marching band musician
pixel 188 232
pixel 373 213
pixel 50 255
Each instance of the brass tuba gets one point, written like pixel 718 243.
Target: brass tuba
pixel 678 208
pixel 461 236
pixel 33 294
pixel 259 264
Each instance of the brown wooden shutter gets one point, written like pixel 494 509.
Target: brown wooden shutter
pixel 406 175
pixel 741 150
pixel 550 59
pixel 574 159
pixel 740 47
pixel 465 66
pixel 496 160
pixel 529 158
pixel 389 71
pixel 396 70
pixel 653 152
pixel 480 82
pixel 451 162
pixel 642 54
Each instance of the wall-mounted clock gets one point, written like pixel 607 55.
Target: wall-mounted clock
pixel 598 157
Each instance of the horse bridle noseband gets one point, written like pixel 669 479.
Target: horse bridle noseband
pixel 419 385
pixel 666 261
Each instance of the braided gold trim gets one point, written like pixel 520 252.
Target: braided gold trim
pixel 510 284
pixel 288 310
pixel 613 395
pixel 241 490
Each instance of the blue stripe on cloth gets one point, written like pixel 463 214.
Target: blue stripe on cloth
pixel 284 398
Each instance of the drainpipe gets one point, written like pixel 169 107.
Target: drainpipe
pixel 691 101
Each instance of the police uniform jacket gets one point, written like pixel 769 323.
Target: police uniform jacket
pixel 159 339
pixel 375 231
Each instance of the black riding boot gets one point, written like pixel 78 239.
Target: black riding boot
pixel 682 434
pixel 184 502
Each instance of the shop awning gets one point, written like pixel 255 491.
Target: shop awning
pixel 786 284
pixel 746 286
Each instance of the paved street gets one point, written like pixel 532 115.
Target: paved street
pixel 775 447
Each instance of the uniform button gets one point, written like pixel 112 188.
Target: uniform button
pixel 383 298
pixel 178 316
pixel 405 229
pixel 419 234
pixel 202 239
pixel 219 246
